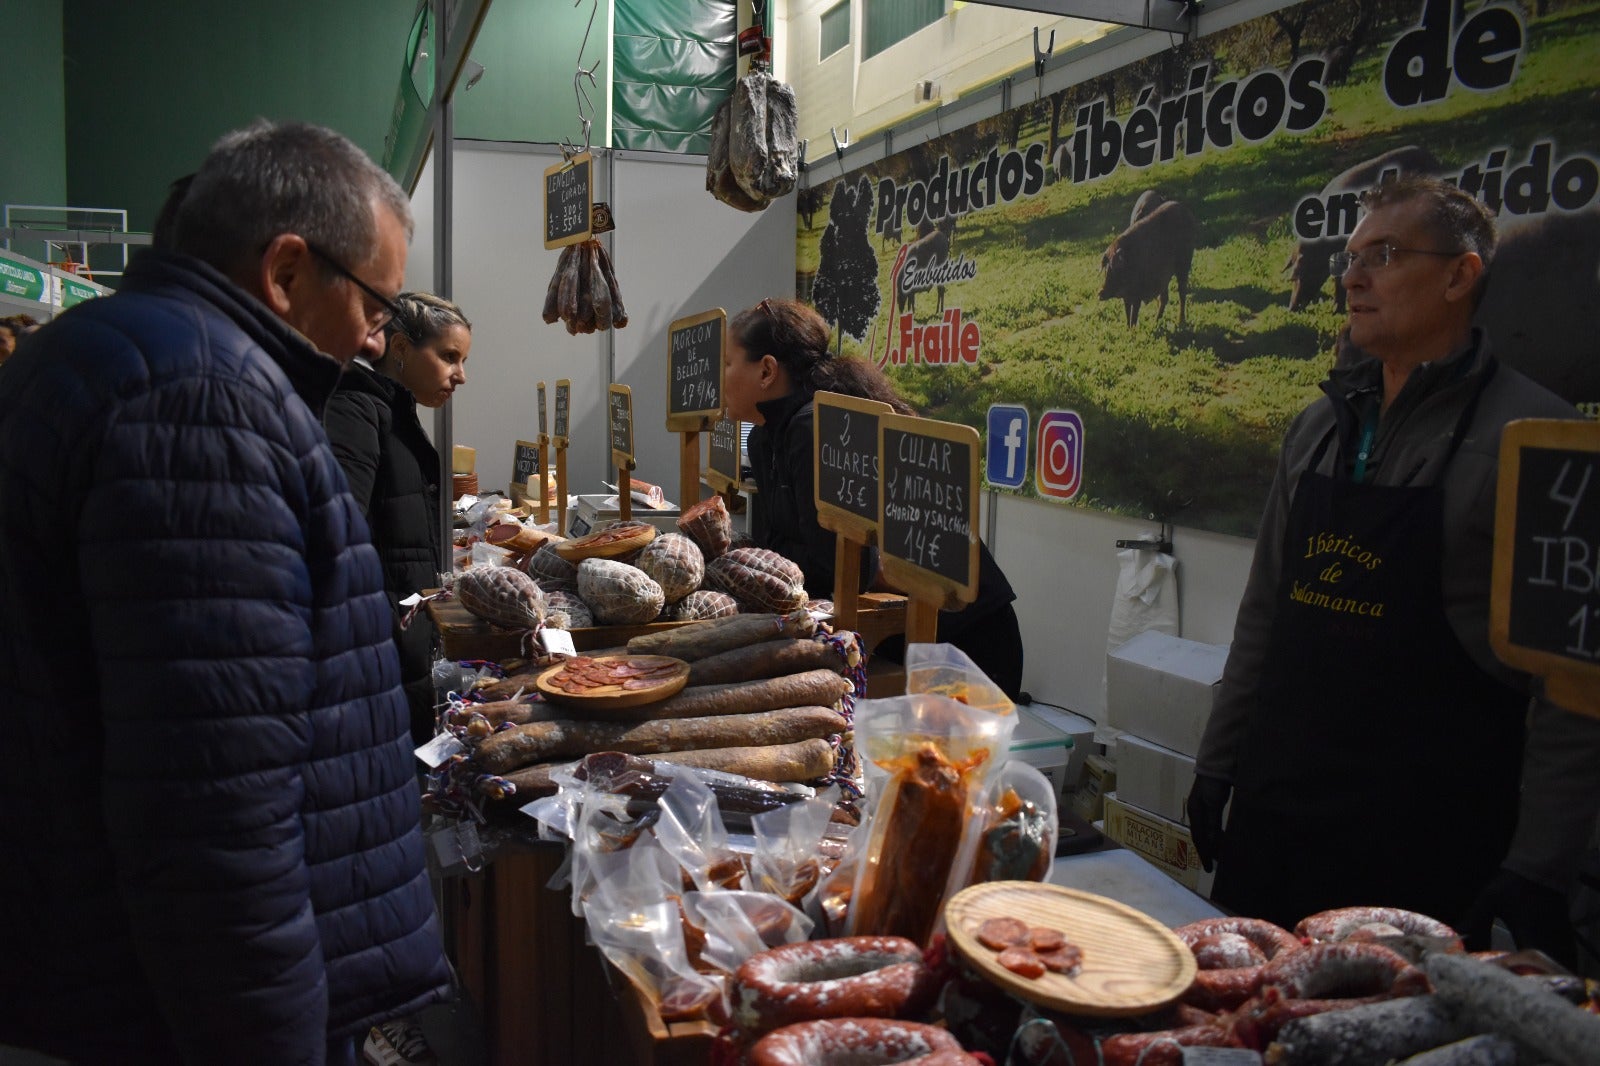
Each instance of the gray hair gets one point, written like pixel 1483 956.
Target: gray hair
pixel 271 178
pixel 426 317
pixel 1457 220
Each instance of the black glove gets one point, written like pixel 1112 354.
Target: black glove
pixel 1535 914
pixel 1206 800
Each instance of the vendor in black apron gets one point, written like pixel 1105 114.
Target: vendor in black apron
pixel 1372 747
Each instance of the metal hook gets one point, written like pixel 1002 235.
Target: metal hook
pixel 585 105
pixel 1040 58
pixel 838 145
pixel 800 154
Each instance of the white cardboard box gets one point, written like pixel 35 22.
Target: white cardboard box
pixel 588 512
pixel 1154 778
pixel 1076 726
pixel 1042 746
pixel 1161 688
pixel 1160 841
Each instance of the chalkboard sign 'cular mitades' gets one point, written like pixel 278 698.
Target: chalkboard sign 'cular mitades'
pixel 695 347
pixel 1544 602
pixel 927 517
pixel 568 199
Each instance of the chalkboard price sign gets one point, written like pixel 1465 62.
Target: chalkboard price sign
pixel 620 410
pixel 544 436
pixel 722 457
pixel 846 481
pixel 694 370
pixel 928 505
pixel 563 411
pixel 1545 598
pixel 568 196
pixel 525 465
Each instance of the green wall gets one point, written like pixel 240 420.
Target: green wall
pixel 529 52
pixel 33 153
pixel 149 86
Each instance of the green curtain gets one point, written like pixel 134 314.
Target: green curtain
pixel 673 64
pixel 891 21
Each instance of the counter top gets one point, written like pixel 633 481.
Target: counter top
pixel 1123 876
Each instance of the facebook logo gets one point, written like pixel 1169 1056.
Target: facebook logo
pixel 1006 466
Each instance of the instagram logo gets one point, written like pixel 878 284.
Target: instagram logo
pixel 1058 459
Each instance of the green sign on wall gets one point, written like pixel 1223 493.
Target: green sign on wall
pixel 74 293
pixel 23 282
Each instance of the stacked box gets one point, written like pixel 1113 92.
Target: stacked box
pixel 1099 778
pixel 1160 841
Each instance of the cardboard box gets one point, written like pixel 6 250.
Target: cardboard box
pixel 587 512
pixel 1159 841
pixel 1099 777
pixel 1042 746
pixel 1153 778
pixel 1076 726
pixel 1161 688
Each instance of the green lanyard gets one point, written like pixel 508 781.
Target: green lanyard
pixel 1369 430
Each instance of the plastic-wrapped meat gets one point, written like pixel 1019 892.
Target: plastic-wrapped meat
pixel 720 179
pixel 552 302
pixel 783 144
pixel 582 320
pixel 599 288
pixel 619 314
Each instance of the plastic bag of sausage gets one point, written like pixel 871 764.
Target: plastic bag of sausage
pixel 929 757
pixel 1011 835
pixel 692 831
pixel 945 670
pixel 786 862
pixel 736 925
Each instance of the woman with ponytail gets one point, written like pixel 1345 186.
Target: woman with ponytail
pixel 393 467
pixel 778 358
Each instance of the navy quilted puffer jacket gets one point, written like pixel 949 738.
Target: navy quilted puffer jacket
pixel 210 817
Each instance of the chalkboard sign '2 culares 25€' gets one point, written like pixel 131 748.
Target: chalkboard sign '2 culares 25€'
pixel 928 509
pixel 1544 606
pixel 694 370
pixel 846 481
pixel 568 194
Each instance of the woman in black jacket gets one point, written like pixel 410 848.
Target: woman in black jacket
pixel 393 467
pixel 778 358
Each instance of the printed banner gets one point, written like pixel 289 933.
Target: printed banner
pixel 1124 286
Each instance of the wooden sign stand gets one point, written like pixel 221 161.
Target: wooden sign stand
pixel 1544 617
pixel 853 531
pixel 620 416
pixel 695 347
pixel 544 461
pixel 948 454
pixel 563 415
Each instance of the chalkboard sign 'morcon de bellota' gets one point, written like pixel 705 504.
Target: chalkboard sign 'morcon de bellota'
pixel 696 349
pixel 1544 606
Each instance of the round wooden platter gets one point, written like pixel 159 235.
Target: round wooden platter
pixel 606 698
pixel 1132 964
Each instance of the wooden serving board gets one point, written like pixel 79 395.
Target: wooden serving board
pixel 1132 964
pixel 615 697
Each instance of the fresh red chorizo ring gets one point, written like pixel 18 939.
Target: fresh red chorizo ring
pixel 1340 923
pixel 1226 987
pixel 848 977
pixel 1343 971
pixel 1164 1048
pixel 1270 938
pixel 858 1042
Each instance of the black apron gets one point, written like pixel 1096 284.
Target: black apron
pixel 1382 764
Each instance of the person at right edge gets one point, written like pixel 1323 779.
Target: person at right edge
pixel 1369 738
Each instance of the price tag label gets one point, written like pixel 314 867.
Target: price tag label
pixel 434 753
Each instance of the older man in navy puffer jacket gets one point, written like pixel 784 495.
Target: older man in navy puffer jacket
pixel 211 821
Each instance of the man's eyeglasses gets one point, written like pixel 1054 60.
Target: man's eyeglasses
pixel 389 311
pixel 1377 256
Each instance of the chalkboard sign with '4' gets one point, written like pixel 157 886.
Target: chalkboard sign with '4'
pixel 1544 606
pixel 928 507
pixel 568 194
pixel 846 481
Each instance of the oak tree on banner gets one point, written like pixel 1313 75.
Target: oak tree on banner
pixel 846 288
